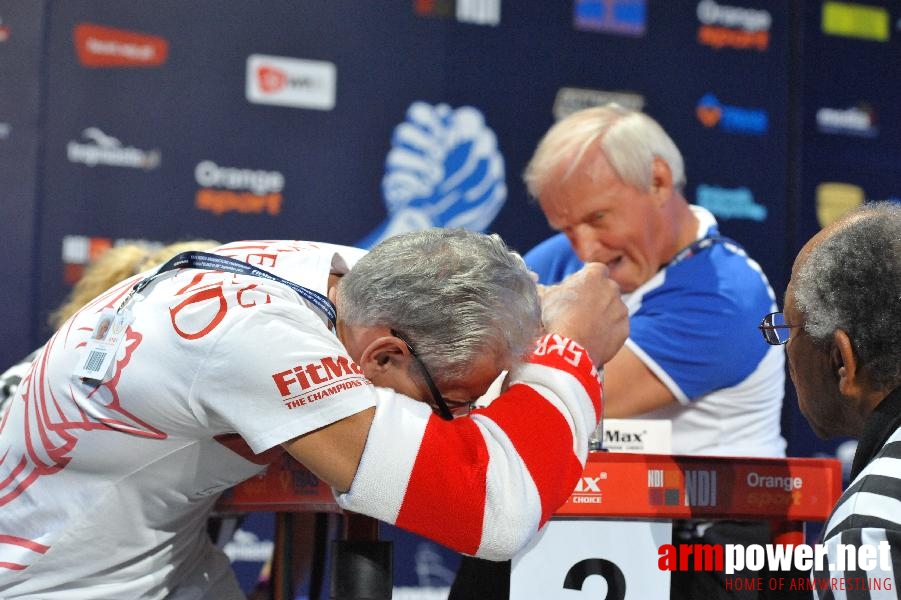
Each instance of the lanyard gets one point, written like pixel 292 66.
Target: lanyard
pixel 699 245
pixel 205 260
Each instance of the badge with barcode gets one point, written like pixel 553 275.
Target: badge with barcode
pixel 100 350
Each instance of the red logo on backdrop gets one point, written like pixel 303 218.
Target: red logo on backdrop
pixel 434 8
pixel 271 79
pixel 99 46
pixel 86 250
pixel 709 115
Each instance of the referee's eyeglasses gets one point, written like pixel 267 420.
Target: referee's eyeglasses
pixel 775 330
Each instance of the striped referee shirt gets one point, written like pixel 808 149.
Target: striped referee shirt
pixel 868 512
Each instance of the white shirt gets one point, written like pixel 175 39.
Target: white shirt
pixel 107 487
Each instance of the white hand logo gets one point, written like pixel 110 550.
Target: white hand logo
pixel 444 170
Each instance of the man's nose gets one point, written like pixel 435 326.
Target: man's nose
pixel 585 243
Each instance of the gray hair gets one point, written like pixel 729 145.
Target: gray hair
pixel 454 294
pixel 851 280
pixel 629 139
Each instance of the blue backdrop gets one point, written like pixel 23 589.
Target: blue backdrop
pixel 347 121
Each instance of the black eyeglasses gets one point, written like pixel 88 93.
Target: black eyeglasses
pixel 442 407
pixel 775 330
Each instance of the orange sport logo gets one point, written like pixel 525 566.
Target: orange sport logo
pixel 740 28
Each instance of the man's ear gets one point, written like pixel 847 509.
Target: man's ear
pixel 844 365
pixel 661 180
pixel 333 287
pixel 382 354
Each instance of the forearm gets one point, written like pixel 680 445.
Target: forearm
pixel 333 452
pixel 483 485
pixel 631 389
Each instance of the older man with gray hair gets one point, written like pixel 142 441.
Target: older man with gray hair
pixel 114 450
pixel 612 182
pixel 841 327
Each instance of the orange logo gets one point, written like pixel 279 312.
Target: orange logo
pixel 223 201
pixel 99 46
pixel 721 37
pixel 709 115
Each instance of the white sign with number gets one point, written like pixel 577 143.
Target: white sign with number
pixel 593 559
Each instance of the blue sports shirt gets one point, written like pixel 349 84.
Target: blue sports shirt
pixel 694 325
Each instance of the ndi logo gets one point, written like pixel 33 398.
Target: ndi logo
pixel 732 119
pixel 700 487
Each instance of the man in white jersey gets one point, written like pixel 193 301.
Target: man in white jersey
pixel 115 449
pixel 841 329
pixel 611 181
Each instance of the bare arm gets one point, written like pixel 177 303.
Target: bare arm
pixel 586 308
pixel 333 453
pixel 503 471
pixel 631 388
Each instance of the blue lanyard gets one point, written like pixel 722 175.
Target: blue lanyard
pixel 214 262
pixel 702 244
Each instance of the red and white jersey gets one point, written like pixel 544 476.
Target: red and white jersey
pixel 105 488
pixel 484 485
